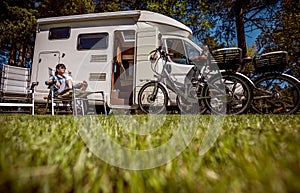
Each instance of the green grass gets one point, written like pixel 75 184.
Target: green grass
pixel 254 153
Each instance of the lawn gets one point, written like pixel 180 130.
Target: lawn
pixel 252 153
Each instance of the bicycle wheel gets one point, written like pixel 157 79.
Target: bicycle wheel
pixel 153 98
pixel 231 95
pixel 190 104
pixel 276 94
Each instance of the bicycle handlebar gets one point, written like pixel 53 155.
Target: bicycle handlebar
pixel 161 52
pixel 155 56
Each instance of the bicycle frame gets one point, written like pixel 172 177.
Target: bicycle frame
pixel 165 80
pixel 269 94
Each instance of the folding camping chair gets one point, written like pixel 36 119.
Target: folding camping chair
pixel 61 100
pixel 15 88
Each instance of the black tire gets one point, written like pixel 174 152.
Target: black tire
pixel 153 102
pixel 284 94
pixel 233 95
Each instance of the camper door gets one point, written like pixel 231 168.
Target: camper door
pixel 46 59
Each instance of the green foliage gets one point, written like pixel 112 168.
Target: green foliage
pixel 72 7
pixel 215 23
pixel 119 5
pixel 17 29
pixel 50 8
pixel 19 24
pixel 212 43
pixel 284 35
pixel 254 153
pixel 235 18
pixel 190 13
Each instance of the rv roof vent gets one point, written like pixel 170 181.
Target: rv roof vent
pixel 98 58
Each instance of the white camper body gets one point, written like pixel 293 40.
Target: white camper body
pixel 108 50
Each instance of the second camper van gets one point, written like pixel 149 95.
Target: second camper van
pixel 110 51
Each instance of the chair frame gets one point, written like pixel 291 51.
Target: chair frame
pixel 15 88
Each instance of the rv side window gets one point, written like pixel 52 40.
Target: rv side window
pixel 95 41
pixel 59 33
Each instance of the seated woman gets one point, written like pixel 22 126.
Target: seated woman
pixel 62 82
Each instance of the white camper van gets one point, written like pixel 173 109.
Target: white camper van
pixel 110 51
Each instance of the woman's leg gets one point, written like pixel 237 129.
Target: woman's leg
pixel 69 83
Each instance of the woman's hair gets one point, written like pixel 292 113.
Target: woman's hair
pixel 59 66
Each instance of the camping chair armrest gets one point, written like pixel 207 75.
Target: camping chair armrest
pixel 33 84
pixel 53 82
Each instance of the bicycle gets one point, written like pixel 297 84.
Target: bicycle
pixel 275 91
pixel 203 89
pixel 153 96
pixel 239 88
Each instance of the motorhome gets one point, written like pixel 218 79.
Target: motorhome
pixel 110 51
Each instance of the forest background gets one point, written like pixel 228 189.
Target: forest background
pixel 272 25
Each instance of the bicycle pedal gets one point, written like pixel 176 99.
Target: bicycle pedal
pixel 277 110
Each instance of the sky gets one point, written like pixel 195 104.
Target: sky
pixel 251 37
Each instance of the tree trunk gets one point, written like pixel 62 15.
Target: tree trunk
pixel 20 57
pixel 24 55
pixel 12 54
pixel 240 28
